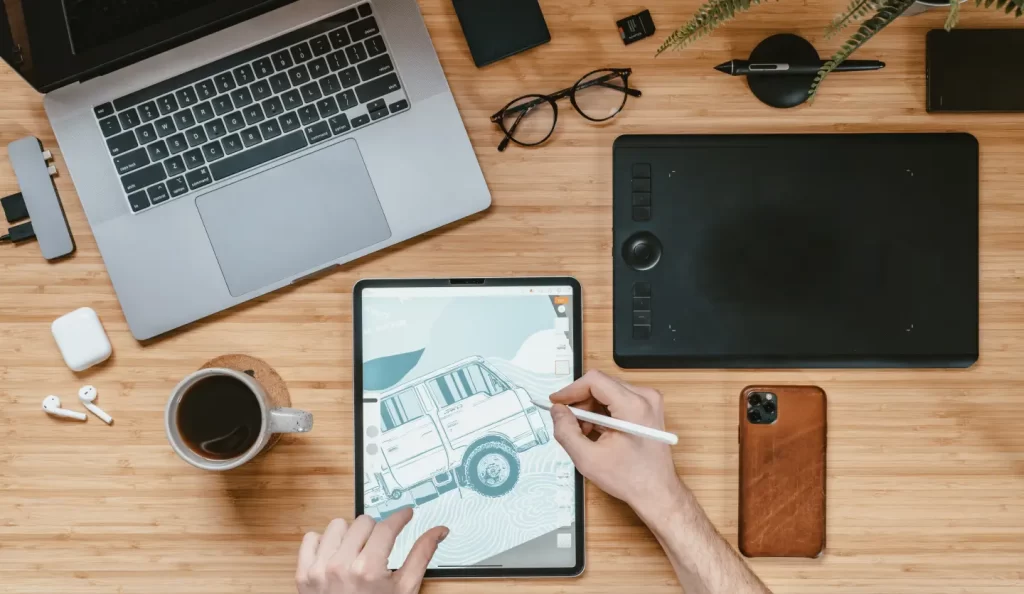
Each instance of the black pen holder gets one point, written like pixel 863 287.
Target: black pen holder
pixel 782 91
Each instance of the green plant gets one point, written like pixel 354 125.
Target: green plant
pixel 714 13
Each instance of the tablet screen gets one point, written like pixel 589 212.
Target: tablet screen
pixel 448 427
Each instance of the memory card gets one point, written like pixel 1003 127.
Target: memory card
pixel 636 27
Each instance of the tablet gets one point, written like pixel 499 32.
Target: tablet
pixel 445 372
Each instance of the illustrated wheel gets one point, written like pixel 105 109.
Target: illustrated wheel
pixel 492 468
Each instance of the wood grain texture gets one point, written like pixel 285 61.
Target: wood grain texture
pixel 925 468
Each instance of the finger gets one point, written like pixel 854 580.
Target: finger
pixel 358 533
pixel 570 436
pixel 604 389
pixel 331 539
pixel 586 428
pixel 382 539
pixel 410 576
pixel 307 550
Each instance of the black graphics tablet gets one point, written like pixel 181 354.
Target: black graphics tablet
pixel 445 373
pixel 830 250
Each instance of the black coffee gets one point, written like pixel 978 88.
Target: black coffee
pixel 219 417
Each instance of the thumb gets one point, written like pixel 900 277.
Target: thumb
pixel 410 576
pixel 569 434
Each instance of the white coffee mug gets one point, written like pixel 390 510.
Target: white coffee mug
pixel 275 418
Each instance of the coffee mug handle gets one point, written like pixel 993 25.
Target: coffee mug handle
pixel 290 420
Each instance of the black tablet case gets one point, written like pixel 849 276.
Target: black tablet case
pixel 798 251
pixel 497 29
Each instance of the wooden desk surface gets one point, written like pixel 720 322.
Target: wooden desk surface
pixel 925 468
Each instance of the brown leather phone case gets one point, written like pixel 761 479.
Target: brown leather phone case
pixel 782 475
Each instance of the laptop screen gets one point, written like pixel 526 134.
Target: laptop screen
pixel 52 43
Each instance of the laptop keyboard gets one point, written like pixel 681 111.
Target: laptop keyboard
pixel 282 96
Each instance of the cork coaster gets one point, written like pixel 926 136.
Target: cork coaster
pixel 276 389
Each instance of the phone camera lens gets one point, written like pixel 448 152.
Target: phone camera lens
pixel 754 399
pixel 769 407
pixel 754 416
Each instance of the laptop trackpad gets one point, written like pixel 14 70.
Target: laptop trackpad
pixel 294 218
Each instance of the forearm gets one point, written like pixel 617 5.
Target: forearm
pixel 702 559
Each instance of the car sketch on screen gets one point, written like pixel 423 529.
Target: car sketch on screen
pixel 463 425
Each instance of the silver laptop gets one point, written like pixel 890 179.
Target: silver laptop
pixel 223 149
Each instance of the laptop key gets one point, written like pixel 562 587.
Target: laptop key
pixel 244 75
pixel 308 115
pixel 196 136
pixel 330 84
pixel 138 201
pixel 222 105
pixel 339 124
pixel 213 151
pixel 251 137
pixel 146 133
pixel 270 129
pixel 167 104
pixel 110 126
pixel 198 178
pixel 131 161
pixel 194 158
pixel 376 67
pixel 365 10
pixel 216 129
pixel 203 112
pixel 282 60
pixel 349 16
pixel 187 97
pixel 165 127
pixel 289 122
pixel 177 144
pixel 375 46
pixel 174 166
pixel 225 82
pixel 318 68
pixel 320 45
pixel 158 151
pixel 299 75
pixel 311 92
pixel 263 67
pixel 339 38
pixel 292 99
pixel 232 144
pixel 129 118
pixel 301 53
pixel 177 186
pixel 360 30
pixel 280 83
pixel 261 90
pixel 327 107
pixel 348 77
pixel 148 111
pixel 268 151
pixel 158 194
pixel 361 120
pixel 375 105
pixel 378 88
pixel 206 90
pixel 143 178
pixel 376 115
pixel 355 53
pixel 234 121
pixel 337 60
pixel 122 143
pixel 253 114
pixel 318 132
pixel 241 97
pixel 273 107
pixel 398 105
pixel 104 111
pixel 184 119
pixel 347 100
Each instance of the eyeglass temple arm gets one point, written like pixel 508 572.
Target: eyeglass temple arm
pixel 512 130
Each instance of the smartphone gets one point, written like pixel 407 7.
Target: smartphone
pixel 782 471
pixel 975 70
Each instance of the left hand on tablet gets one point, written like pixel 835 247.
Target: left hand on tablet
pixel 353 558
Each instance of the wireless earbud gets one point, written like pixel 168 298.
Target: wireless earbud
pixel 51 406
pixel 88 395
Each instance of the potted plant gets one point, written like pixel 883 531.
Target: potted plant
pixel 714 13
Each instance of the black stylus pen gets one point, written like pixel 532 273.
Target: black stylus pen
pixel 745 67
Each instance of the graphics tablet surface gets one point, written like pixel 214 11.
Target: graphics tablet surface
pixel 445 370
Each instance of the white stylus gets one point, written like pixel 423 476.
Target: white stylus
pixel 617 424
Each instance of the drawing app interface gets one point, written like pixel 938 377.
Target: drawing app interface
pixel 449 429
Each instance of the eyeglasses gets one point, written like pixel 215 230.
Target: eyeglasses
pixel 598 96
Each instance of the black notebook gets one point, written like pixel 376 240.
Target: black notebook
pixel 497 29
pixel 796 250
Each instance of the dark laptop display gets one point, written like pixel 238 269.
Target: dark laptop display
pixel 92 37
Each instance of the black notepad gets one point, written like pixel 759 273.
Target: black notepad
pixel 857 250
pixel 497 29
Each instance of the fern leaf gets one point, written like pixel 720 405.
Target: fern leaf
pixel 886 13
pixel 854 12
pixel 954 14
pixel 708 17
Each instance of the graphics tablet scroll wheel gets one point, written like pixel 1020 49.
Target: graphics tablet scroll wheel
pixel 642 251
